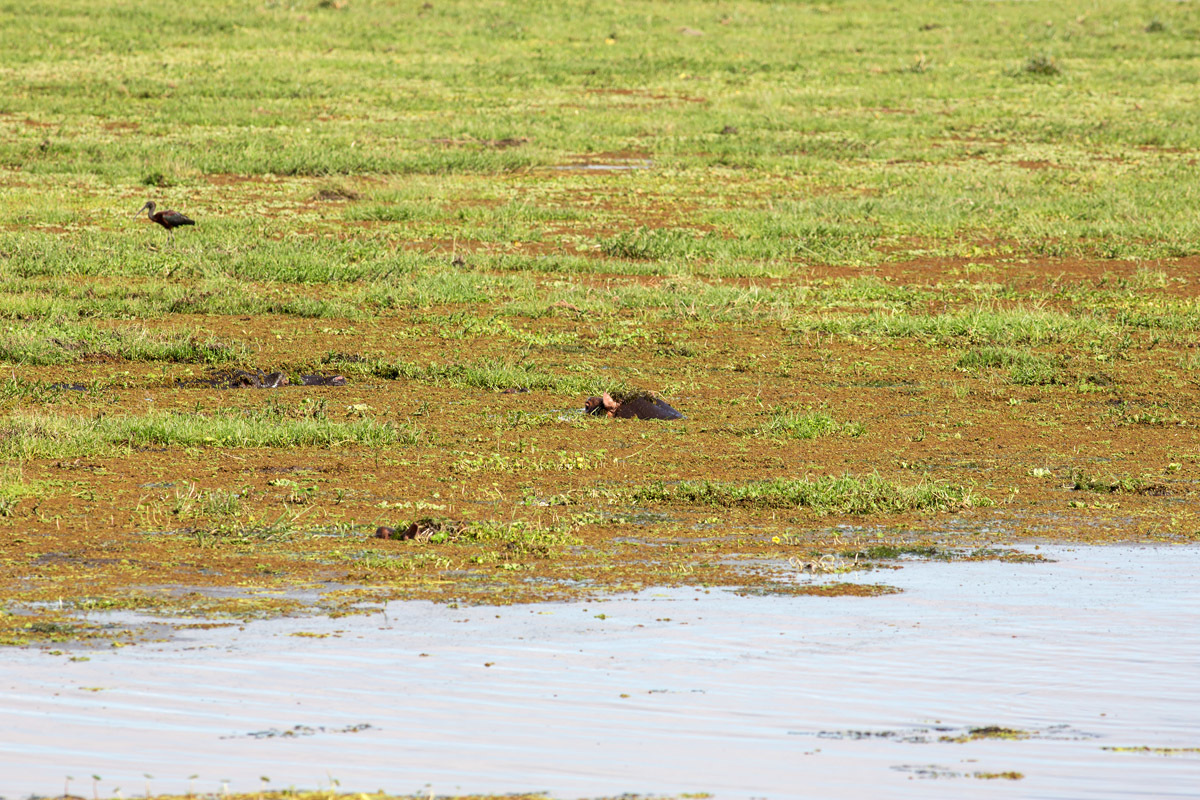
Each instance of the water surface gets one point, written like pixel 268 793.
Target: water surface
pixel 667 692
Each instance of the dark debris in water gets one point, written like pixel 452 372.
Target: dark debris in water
pixel 241 379
pixel 919 552
pixel 945 733
pixel 298 731
pixel 1158 751
pixel 987 732
pixel 927 771
pixel 914 736
pixel 1002 554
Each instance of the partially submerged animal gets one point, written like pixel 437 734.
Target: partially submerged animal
pixel 323 380
pixel 169 219
pixel 274 380
pixel 422 530
pixel 635 406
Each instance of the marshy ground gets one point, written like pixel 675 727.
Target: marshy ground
pixel 924 293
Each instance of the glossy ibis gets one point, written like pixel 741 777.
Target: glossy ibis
pixel 169 219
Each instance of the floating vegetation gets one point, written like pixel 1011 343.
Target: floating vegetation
pixel 828 495
pixel 297 731
pixel 988 732
pixel 1158 751
pixel 819 589
pixel 808 425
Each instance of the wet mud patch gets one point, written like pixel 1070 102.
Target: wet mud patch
pixel 777 589
pixel 971 460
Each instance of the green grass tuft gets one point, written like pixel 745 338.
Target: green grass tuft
pixel 493 375
pixel 24 436
pixel 827 495
pixel 808 425
pixel 1025 368
pixel 1042 65
pixel 43 343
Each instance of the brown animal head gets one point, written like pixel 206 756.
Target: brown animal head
pixel 601 405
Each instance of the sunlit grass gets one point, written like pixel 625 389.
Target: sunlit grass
pixel 24 436
pixel 494 375
pixel 846 494
pixel 69 342
pixel 1025 368
pixel 807 425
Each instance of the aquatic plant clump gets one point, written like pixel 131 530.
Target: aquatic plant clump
pixel 826 495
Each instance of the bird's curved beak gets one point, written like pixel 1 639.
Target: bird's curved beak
pixel 140 210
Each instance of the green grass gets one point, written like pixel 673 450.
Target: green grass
pixel 517 538
pixel 372 89
pixel 1081 482
pixel 807 425
pixel 14 487
pixel 1007 327
pixel 15 391
pixel 42 343
pixel 927 216
pixel 1025 368
pixel 492 375
pixel 26 436
pixel 193 503
pixel 826 495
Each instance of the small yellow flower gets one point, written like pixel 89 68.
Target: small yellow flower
pixel 775 539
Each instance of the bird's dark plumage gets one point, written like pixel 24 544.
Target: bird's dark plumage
pixel 168 219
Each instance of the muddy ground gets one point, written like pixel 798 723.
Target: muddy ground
pixel 1104 451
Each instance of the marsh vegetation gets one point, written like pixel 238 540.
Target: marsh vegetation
pixel 915 277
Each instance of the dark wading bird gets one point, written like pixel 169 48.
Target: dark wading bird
pixel 169 219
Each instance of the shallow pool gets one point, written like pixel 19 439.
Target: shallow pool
pixel 667 692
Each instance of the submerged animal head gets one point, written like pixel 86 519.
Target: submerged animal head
pixel 604 404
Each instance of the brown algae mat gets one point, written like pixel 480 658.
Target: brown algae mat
pixel 560 503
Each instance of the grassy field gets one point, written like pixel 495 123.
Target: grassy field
pixel 922 279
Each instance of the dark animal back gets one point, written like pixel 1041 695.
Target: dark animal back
pixel 646 408
pixel 172 219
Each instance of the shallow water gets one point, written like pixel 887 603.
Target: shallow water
pixel 671 691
